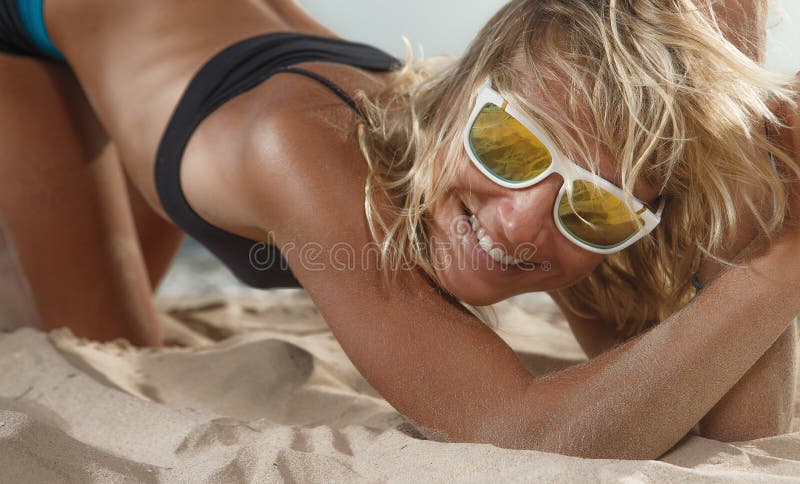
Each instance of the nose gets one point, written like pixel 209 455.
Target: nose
pixel 526 214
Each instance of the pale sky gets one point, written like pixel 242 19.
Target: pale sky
pixel 446 26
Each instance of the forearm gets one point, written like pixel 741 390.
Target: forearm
pixel 639 399
pixel 761 404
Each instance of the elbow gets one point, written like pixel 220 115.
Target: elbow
pixel 604 448
pixel 741 435
pixel 766 424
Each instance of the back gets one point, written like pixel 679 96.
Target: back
pixel 234 71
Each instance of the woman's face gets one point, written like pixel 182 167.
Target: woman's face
pixel 520 221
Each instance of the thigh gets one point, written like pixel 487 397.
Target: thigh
pixel 64 201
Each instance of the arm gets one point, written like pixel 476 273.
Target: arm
pixel 441 367
pixel 765 396
pixel 762 402
pixel 661 383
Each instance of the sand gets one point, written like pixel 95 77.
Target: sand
pixel 262 392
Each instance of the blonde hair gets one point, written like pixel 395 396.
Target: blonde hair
pixel 656 83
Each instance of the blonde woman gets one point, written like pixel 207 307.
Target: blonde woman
pixel 612 153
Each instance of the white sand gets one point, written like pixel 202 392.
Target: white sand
pixel 264 393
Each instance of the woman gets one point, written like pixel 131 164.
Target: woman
pixel 248 146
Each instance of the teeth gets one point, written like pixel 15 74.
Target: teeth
pixel 487 244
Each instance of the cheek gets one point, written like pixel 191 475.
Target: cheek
pixel 576 263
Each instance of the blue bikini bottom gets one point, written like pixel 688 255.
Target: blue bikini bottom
pixel 23 31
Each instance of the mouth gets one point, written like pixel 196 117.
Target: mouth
pixel 486 244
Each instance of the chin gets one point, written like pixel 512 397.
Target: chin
pixel 479 300
pixel 471 294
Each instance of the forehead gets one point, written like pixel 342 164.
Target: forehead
pixel 552 104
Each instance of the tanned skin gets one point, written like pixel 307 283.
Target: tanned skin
pixel 430 358
pixel 761 404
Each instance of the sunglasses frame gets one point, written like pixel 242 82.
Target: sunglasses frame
pixel 568 169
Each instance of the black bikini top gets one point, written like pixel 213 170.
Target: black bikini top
pixel 232 72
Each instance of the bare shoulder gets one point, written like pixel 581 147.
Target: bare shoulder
pixel 431 359
pixel 265 154
pixel 302 150
pixel 787 137
pixel 301 161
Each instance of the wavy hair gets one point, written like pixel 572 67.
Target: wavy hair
pixel 655 82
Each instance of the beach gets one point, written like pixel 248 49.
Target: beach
pixel 260 391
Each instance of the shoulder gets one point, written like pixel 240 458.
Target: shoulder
pixel 301 163
pixel 301 151
pixel 788 133
pixel 785 135
pixel 256 160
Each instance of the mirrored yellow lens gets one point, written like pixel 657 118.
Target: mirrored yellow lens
pixel 507 148
pixel 597 217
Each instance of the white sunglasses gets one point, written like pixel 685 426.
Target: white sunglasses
pixel 514 151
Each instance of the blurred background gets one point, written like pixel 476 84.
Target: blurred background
pixel 433 28
pixel 447 26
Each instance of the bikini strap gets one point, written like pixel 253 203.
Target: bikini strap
pixel 696 282
pixel 330 85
